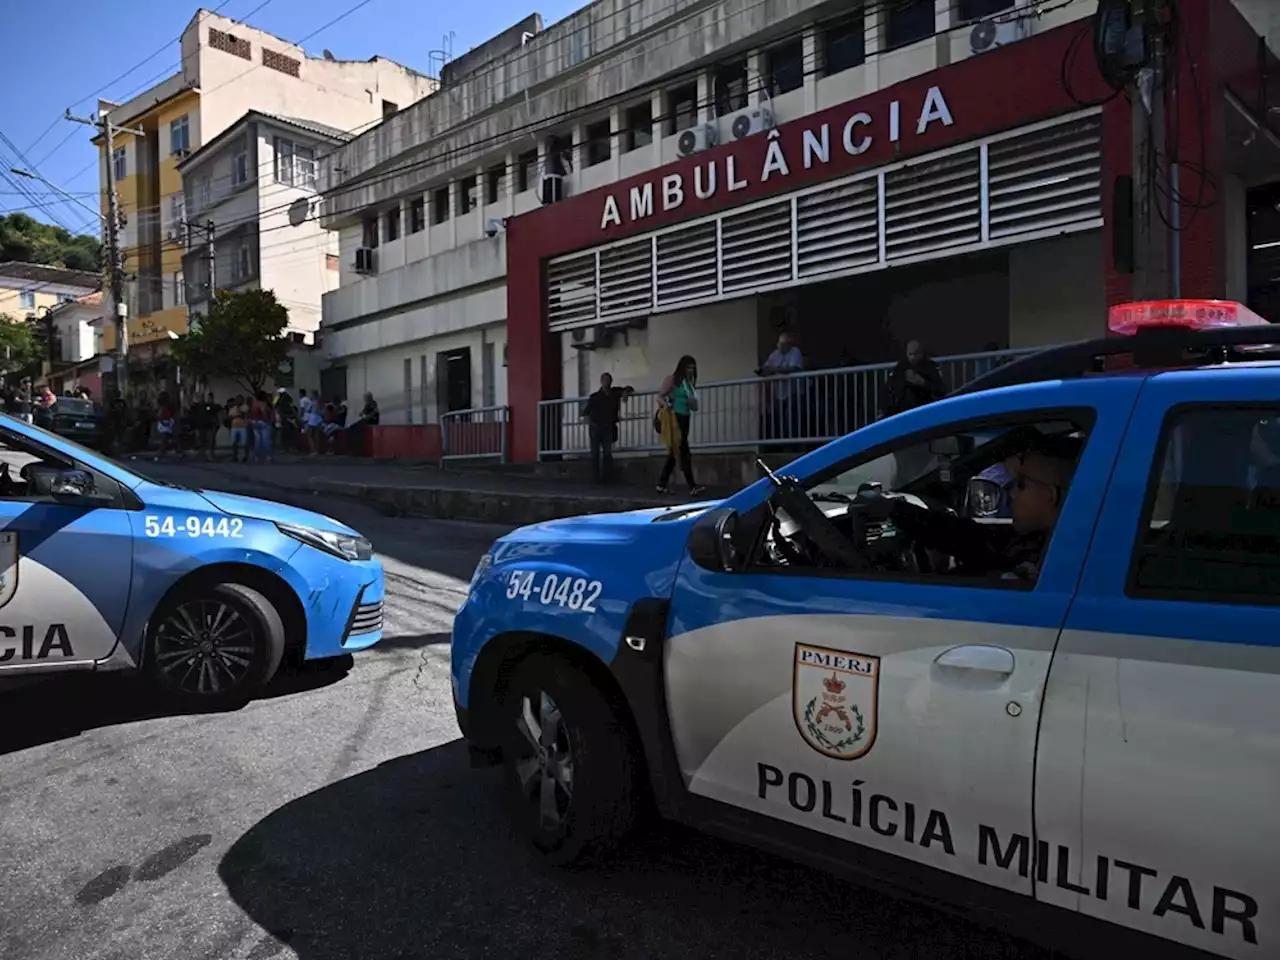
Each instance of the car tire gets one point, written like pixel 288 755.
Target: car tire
pixel 214 645
pixel 590 810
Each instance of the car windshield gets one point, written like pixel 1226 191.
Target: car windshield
pixel 62 444
pixel 75 407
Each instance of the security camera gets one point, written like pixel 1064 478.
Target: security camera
pixel 493 227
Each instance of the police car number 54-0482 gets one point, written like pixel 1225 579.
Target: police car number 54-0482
pixel 193 527
pixel 576 593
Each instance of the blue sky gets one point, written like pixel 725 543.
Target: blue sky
pixel 72 49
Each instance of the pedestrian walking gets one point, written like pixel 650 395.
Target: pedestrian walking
pixel 678 401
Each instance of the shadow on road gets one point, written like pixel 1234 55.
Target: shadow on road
pixel 54 708
pixel 414 641
pixel 414 859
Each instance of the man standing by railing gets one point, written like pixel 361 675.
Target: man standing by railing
pixel 602 411
pixel 785 398
pixel 915 381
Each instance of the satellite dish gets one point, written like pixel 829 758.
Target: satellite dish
pixel 298 211
pixel 328 54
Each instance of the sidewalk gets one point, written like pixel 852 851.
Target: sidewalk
pixel 427 491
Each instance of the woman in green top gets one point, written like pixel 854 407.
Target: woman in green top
pixel 679 391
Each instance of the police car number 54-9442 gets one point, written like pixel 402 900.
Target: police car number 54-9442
pixel 576 593
pixel 194 527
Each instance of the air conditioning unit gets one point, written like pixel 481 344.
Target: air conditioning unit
pixel 696 139
pixel 182 153
pixel 364 260
pixel 551 188
pixel 173 236
pixel 753 121
pixel 990 34
pixel 589 338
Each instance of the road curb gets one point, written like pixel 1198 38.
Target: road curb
pixel 488 506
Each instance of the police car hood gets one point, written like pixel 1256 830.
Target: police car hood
pixel 594 526
pixel 252 508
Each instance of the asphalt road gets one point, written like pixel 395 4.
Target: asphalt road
pixel 338 818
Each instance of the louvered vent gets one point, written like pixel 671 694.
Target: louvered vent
pixel 571 292
pixel 837 229
pixel 755 247
pixel 933 206
pixel 626 279
pixel 1050 178
pixel 687 264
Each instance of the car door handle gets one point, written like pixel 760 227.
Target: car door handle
pixel 978 657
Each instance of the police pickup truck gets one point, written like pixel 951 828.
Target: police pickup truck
pixel 1070 711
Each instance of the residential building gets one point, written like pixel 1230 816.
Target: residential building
pixel 30 290
pixel 650 179
pixel 250 194
pixel 77 330
pixel 227 69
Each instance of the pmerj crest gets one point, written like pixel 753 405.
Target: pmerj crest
pixel 834 697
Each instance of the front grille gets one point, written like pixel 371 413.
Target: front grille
pixel 368 619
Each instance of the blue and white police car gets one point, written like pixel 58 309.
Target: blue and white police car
pixel 205 592
pixel 1072 711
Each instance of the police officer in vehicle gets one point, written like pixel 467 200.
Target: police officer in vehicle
pixel 1042 473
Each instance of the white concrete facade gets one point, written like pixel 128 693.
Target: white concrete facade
pixel 435 274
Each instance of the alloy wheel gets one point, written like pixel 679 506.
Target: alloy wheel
pixel 204 647
pixel 545 767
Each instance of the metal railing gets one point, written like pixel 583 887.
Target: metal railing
pixel 480 433
pixel 806 408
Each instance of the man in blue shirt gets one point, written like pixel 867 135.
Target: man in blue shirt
pixel 783 410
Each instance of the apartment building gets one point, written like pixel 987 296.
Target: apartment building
pixel 227 69
pixel 250 199
pixel 650 179
pixel 30 290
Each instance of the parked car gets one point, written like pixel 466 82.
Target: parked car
pixel 73 418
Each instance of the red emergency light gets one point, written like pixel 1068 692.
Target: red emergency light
pixel 1127 319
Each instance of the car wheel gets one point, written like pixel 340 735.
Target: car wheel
pixel 214 645
pixel 568 762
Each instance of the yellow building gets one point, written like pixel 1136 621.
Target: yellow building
pixel 228 68
pixel 29 290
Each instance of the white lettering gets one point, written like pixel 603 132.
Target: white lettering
pixel 672 191
pixel 851 148
pixel 642 201
pixel 815 147
pixel 774 161
pixel 611 215
pixel 895 121
pixel 704 191
pixel 731 175
pixel 935 108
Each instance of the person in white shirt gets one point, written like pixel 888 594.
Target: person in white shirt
pixel 310 420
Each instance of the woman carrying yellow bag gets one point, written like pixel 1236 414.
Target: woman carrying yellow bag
pixel 678 401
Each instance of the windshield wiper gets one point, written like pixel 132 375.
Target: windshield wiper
pixel 831 496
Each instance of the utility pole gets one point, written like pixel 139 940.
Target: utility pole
pixel 115 255
pixel 1155 253
pixel 213 260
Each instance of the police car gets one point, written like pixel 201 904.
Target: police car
pixel 205 592
pixel 855 665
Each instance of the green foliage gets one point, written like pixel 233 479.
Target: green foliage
pixel 241 339
pixel 30 241
pixel 21 345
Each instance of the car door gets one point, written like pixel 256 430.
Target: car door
pixel 65 568
pixel 899 713
pixel 1158 787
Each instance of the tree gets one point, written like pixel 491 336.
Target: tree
pixel 30 241
pixel 20 345
pixel 240 339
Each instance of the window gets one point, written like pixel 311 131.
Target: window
pixel 242 264
pixel 599 144
pixel 279 62
pixel 417 214
pixel 909 22
pixel 31 468
pixel 844 44
pixel 66 297
pixel 977 9
pixel 731 87
pixel 1210 529
pixel 389 109
pixel 27 299
pixel 682 108
pixel 295 164
pixel 466 195
pixel 204 192
pixel 178 218
pixel 493 184
pixel 526 170
pixel 560 155
pixel 943 531
pixel 229 43
pixel 784 67
pixel 180 136
pixel 392 224
pixel 639 127
pixel 440 204
pixel 240 165
pixel 119 163
pixel 179 289
pixel 369 233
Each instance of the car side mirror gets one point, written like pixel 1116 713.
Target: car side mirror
pixel 711 541
pixel 73 485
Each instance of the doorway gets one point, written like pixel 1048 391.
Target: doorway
pixel 453 380
pixel 1263 264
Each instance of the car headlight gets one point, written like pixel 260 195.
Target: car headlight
pixel 481 569
pixel 342 545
